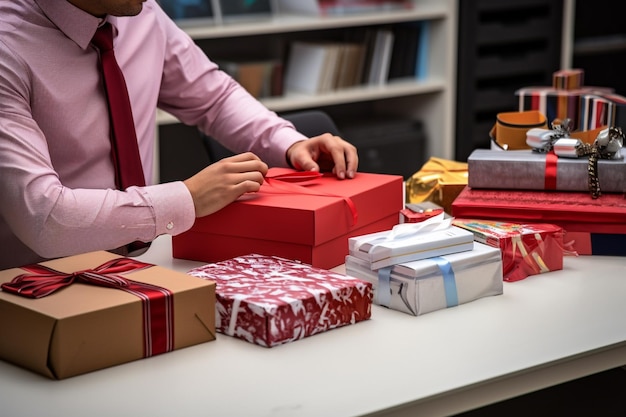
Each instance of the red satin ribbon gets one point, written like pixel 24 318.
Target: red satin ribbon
pixel 157 302
pixel 294 183
pixel 550 175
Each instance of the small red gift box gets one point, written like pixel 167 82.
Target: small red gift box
pixel 268 300
pixel 588 223
pixel 418 212
pixel 527 249
pixel 309 221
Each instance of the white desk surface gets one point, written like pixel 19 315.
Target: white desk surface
pixel 542 331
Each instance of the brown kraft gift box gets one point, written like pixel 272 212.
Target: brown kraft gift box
pixel 83 327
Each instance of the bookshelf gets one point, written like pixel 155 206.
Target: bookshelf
pixel 598 48
pixel 429 99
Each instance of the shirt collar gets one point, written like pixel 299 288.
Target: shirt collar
pixel 75 23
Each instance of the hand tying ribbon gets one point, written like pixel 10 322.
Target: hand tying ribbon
pixel 158 310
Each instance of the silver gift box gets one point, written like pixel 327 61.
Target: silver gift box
pixel 526 170
pixel 431 284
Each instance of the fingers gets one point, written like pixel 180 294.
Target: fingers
pixel 223 182
pixel 345 160
pixel 247 164
pixel 325 153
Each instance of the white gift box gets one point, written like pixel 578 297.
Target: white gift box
pixel 410 242
pixel 436 283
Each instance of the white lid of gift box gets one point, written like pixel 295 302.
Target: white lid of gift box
pixel 428 267
pixel 383 249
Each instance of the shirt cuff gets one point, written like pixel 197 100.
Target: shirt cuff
pixel 174 211
pixel 281 141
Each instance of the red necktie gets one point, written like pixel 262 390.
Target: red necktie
pixel 125 151
pixel 124 148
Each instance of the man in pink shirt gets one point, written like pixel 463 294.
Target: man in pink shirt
pixel 57 187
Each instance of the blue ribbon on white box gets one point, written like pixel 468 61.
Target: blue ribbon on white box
pixel 383 291
pixel 449 281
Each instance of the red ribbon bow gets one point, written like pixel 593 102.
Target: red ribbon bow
pixel 158 308
pixel 294 182
pixel 43 281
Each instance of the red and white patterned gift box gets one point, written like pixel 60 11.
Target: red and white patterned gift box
pixel 268 300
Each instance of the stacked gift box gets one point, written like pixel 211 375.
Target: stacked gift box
pixel 566 176
pixel 569 98
pixel 270 253
pixel 531 170
pixel 591 226
pixel 304 216
pixel 588 109
pixel 417 268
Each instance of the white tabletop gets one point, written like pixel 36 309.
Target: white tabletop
pixel 542 331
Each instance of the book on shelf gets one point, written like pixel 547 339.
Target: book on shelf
pixel 399 51
pixel 423 51
pixel 318 67
pixel 381 47
pixel 341 7
pixel 261 79
pixel 409 58
pixel 350 71
pixel 370 56
pixel 306 65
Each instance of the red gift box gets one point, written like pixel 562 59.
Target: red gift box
pixel 527 249
pixel 585 220
pixel 268 300
pixel 419 212
pixel 309 220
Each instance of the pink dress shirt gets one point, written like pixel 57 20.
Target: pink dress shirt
pixel 57 192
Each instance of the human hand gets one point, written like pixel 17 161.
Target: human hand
pixel 325 153
pixel 224 181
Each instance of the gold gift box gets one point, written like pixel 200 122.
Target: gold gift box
pixel 439 181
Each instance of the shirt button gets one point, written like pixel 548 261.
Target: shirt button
pixel 170 226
